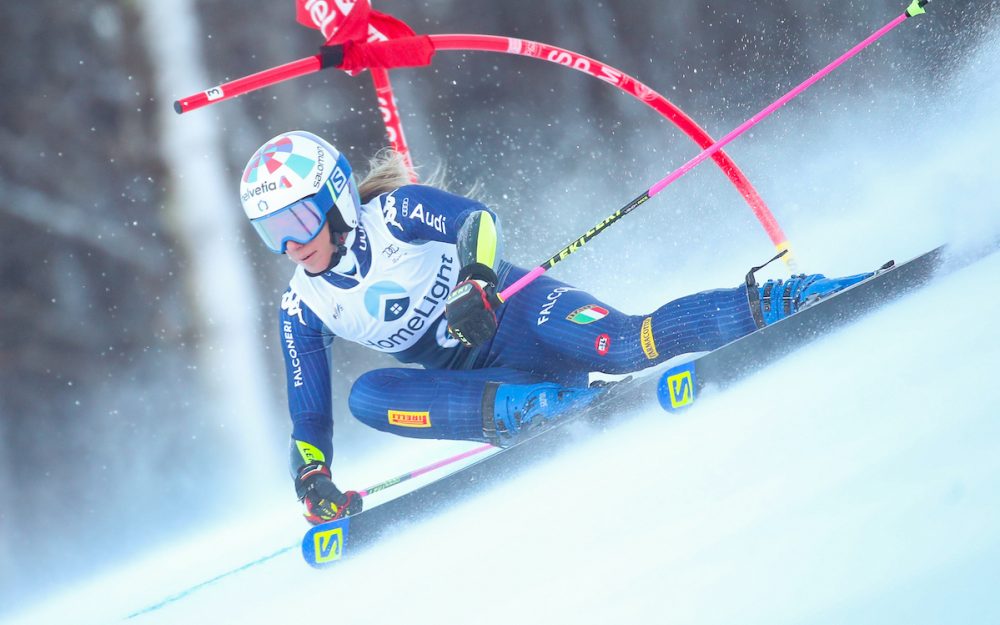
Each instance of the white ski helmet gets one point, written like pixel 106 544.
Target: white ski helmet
pixel 293 185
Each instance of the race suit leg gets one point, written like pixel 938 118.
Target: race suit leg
pixel 430 403
pixel 549 328
pixel 548 332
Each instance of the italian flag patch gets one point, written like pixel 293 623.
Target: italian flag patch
pixel 588 314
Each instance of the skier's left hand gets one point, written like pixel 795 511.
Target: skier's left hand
pixel 322 499
pixel 471 307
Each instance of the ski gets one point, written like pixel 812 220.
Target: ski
pixel 326 544
pixel 674 388
pixel 680 386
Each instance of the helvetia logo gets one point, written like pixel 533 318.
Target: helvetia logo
pixel 265 187
pixel 261 189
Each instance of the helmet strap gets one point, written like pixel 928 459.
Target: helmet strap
pixel 337 227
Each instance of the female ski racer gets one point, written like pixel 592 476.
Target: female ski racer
pixel 413 271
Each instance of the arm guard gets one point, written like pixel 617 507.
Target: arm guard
pixel 479 241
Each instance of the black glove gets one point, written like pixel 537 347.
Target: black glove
pixel 323 501
pixel 471 307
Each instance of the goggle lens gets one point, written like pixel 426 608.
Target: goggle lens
pixel 299 222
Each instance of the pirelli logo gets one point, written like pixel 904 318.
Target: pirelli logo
pixel 407 419
pixel 646 339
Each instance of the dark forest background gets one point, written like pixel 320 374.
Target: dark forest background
pixel 118 416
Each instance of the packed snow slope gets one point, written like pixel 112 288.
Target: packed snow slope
pixel 856 481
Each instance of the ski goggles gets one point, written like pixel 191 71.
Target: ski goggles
pixel 302 220
pixel 299 222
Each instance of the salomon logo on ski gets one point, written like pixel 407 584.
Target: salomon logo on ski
pixel 677 388
pixel 329 545
pixel 325 543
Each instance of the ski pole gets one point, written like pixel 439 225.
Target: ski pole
pixel 422 470
pixel 915 8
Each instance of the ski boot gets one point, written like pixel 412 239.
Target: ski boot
pixel 510 410
pixel 777 299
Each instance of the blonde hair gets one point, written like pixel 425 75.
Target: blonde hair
pixel 387 171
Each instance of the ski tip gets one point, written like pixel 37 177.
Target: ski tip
pixel 324 544
pixel 676 389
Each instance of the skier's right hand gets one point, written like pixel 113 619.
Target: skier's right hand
pixel 323 501
pixel 471 306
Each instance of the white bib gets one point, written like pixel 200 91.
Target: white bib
pixel 399 300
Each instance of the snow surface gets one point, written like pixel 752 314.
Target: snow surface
pixel 857 480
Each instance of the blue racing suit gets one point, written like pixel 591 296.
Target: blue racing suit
pixel 402 264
